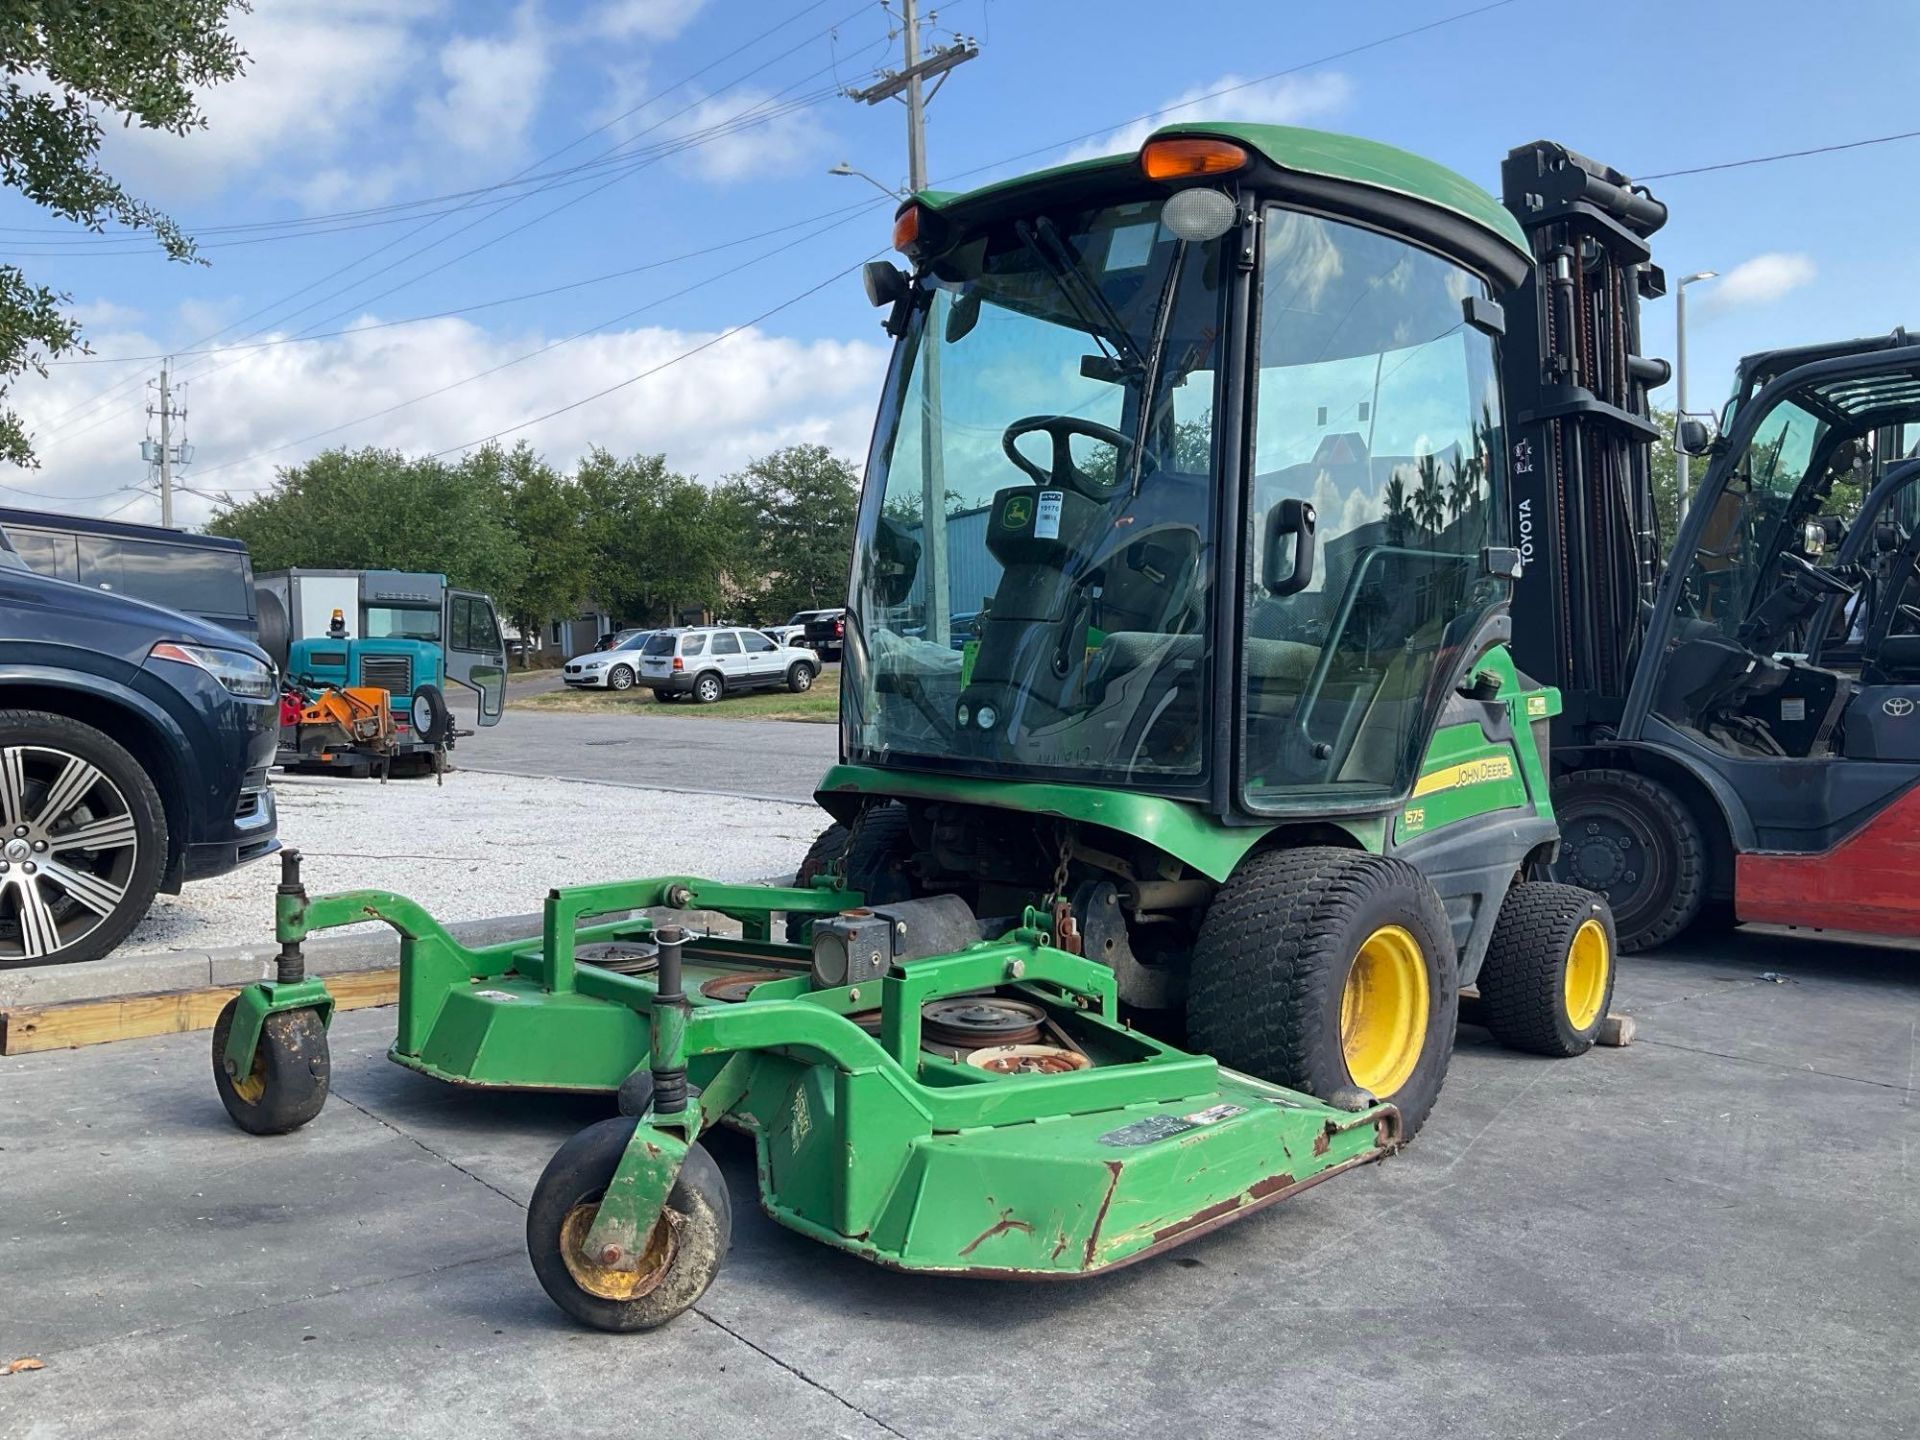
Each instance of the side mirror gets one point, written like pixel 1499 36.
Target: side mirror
pixel 1295 518
pixel 896 560
pixel 964 315
pixel 1695 437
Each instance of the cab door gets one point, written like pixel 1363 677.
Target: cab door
pixel 476 655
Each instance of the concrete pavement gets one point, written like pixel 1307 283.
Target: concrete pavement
pixel 1715 1232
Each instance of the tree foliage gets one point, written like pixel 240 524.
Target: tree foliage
pixel 67 61
pixel 797 506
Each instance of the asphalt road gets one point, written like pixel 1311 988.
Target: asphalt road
pixel 769 759
pixel 1714 1232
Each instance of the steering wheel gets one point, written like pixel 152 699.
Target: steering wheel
pixel 1823 581
pixel 1060 429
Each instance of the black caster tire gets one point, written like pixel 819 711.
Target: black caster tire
pixel 1332 972
pixel 683 1255
pixel 292 1070
pixel 1548 977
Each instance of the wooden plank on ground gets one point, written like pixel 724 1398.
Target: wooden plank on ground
pixel 65 1025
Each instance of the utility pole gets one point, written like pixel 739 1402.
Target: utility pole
pixel 163 455
pixel 910 84
pixel 1682 476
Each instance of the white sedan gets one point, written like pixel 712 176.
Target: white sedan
pixel 614 669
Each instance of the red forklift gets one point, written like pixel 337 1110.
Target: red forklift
pixel 1740 738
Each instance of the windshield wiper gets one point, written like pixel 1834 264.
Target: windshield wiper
pixel 1043 242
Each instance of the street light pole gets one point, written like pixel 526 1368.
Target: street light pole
pixel 1682 480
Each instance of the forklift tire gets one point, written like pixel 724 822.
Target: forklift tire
pixel 1548 977
pixel 1631 839
pixel 292 1070
pixel 564 1205
pixel 1329 971
pixel 876 865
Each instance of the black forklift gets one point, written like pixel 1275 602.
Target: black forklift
pixel 1740 732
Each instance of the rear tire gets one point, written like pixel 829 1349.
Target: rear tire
pixel 876 865
pixel 1548 977
pixel 708 689
pixel 1634 841
pixel 1331 972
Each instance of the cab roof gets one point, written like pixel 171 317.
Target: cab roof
pixel 1316 153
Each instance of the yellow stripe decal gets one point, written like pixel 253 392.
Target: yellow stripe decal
pixel 1472 772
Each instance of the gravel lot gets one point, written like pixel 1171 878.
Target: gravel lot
pixel 481 845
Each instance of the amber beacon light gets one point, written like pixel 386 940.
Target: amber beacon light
pixel 1185 158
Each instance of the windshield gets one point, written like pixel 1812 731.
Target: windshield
pixel 1033 573
pixel 402 622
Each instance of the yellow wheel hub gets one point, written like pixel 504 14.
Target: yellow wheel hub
pixel 1383 1011
pixel 603 1280
pixel 1589 963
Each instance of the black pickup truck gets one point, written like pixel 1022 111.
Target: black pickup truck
pixel 134 746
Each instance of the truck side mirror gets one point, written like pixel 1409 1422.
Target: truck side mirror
pixel 1295 518
pixel 896 560
pixel 1695 437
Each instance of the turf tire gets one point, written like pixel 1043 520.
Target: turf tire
pixel 876 865
pixel 1523 997
pixel 1271 964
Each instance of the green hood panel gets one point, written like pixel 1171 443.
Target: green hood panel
pixel 1309 152
pixel 1182 831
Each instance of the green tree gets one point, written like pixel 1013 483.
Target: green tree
pixel 799 504
pixel 67 61
pixel 1399 508
pixel 544 512
pixel 1430 497
pixel 656 542
pixel 379 510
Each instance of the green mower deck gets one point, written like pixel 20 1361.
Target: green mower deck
pixel 867 1139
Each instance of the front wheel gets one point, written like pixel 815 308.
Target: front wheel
pixel 707 689
pixel 292 1070
pixel 1331 972
pixel 1632 840
pixel 620 678
pixel 800 677
pixel 682 1255
pixel 1548 977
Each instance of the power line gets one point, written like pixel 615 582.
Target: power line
pixel 457 310
pixel 108 393
pixel 542 350
pixel 727 334
pixel 1782 155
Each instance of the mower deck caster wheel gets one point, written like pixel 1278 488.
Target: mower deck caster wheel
pixel 682 1255
pixel 292 1069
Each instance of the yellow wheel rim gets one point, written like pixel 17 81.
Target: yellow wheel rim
pixel 604 1281
pixel 1383 1011
pixel 1589 963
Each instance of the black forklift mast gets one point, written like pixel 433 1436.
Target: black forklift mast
pixel 1578 430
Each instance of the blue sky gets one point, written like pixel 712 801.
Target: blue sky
pixel 356 104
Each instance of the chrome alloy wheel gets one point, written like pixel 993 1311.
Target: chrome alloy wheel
pixel 68 848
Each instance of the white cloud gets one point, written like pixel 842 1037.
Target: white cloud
pixel 494 88
pixel 756 146
pixel 709 414
pixel 313 74
pixel 97 315
pixel 1759 281
pixel 644 19
pixel 1290 100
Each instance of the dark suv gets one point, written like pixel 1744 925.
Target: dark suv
pixel 134 746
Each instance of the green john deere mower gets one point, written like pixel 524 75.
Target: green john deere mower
pixel 1185 775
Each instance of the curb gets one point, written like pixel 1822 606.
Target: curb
pixel 229 965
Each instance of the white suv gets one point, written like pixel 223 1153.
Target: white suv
pixel 710 662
